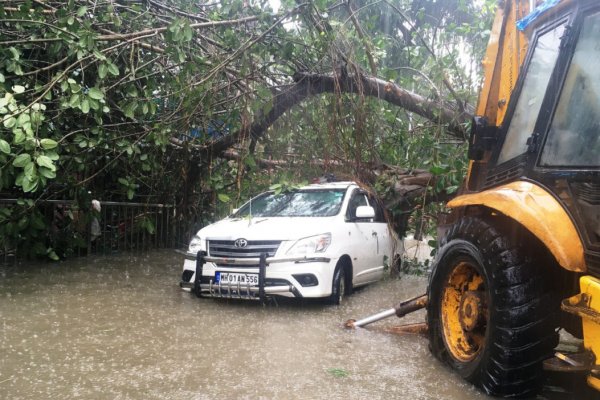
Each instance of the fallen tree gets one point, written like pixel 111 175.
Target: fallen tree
pixel 307 85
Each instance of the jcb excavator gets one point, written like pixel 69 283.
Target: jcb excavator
pixel 519 254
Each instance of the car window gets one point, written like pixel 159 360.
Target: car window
pixel 379 214
pixel 357 200
pixel 301 203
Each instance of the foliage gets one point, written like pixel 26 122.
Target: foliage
pixel 285 186
pixel 338 372
pixel 123 100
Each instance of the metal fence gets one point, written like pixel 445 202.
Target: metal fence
pixel 116 227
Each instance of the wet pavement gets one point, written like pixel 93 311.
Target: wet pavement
pixel 119 327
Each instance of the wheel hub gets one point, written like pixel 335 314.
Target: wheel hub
pixel 471 310
pixel 464 312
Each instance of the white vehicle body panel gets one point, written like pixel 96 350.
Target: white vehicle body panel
pixel 368 243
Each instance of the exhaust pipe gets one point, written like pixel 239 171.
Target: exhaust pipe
pixel 406 307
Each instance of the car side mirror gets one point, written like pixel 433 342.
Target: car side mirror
pixel 365 212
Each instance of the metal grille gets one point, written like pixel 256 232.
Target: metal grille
pixel 504 176
pixel 588 192
pixel 253 249
pixel 593 263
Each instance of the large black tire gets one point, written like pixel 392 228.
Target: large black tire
pixel 338 287
pixel 491 314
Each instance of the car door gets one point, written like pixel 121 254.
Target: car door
pixel 384 240
pixel 363 241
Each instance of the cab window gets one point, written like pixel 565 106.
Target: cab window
pixel 532 93
pixel 574 135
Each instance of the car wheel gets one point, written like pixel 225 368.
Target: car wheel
pixel 338 289
pixel 491 317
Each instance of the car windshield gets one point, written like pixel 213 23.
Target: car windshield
pixel 301 203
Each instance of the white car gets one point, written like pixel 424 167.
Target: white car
pixel 320 241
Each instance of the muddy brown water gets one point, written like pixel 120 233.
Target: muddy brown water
pixel 119 327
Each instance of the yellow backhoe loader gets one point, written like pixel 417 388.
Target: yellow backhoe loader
pixel 519 255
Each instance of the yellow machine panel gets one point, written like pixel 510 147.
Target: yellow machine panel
pixel 539 212
pixel 504 56
pixel 587 305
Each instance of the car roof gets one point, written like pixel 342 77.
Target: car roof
pixel 329 185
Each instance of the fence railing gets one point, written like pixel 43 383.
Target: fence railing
pixel 115 227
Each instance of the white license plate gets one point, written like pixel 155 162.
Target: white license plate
pixel 233 278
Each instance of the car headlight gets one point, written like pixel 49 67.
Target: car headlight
pixel 197 244
pixel 310 245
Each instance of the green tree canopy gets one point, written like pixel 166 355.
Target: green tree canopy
pixel 142 99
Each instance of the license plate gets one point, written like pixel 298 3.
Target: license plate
pixel 232 278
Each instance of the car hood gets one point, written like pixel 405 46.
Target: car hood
pixel 274 228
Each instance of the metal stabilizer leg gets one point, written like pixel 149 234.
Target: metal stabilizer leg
pixel 406 307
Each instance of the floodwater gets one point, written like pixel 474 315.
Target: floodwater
pixel 119 327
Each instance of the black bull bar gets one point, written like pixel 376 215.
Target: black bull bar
pixel 243 291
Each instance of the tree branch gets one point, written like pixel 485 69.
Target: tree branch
pixel 314 84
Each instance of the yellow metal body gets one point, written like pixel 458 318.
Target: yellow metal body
pixel 591 326
pixel 504 55
pixel 528 204
pixel 587 305
pixel 538 211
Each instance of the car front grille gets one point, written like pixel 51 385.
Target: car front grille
pixel 253 248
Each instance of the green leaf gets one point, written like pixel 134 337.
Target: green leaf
pixel 45 172
pixel 48 144
pixel 30 185
pixel 10 122
pixel 96 93
pixel 52 155
pixel 338 372
pixel 113 69
pixel 99 55
pixel 130 193
pixel 18 89
pixel 4 146
pixel 19 136
pixel 45 161
pixel 74 100
pixel 451 189
pixel 15 53
pixel 30 171
pixel 2 79
pixel 188 33
pixel 22 160
pixel 223 198
pixel 102 70
pixel 437 170
pixel 123 181
pixel 129 109
pixel 81 11
pixel 52 254
pixel 85 106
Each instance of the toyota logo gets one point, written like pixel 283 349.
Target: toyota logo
pixel 240 243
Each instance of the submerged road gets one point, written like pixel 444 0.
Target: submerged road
pixel 119 327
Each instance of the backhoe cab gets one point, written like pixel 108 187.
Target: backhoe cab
pixel 519 254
